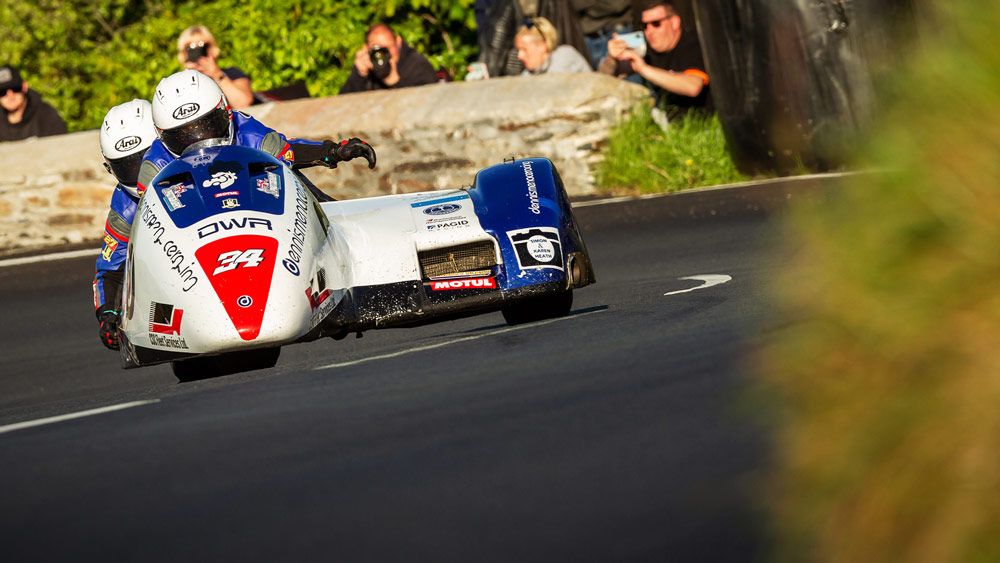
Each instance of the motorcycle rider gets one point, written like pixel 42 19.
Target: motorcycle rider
pixel 126 134
pixel 190 110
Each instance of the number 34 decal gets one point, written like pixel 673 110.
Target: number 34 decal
pixel 232 260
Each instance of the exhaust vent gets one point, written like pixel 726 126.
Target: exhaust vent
pixel 471 259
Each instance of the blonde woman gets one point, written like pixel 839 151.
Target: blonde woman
pixel 538 49
pixel 197 49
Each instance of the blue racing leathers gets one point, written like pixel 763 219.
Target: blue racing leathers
pixel 247 132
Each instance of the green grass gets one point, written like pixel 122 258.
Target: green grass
pixel 642 158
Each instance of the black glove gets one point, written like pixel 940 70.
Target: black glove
pixel 350 149
pixel 108 330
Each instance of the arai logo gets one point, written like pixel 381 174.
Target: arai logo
pixel 443 209
pixel 127 143
pixel 186 110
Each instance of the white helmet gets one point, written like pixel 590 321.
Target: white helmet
pixel 126 134
pixel 188 108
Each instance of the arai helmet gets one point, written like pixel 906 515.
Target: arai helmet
pixel 189 108
pixel 125 135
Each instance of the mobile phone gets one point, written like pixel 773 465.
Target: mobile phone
pixel 635 41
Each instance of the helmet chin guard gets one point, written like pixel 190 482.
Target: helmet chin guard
pixel 126 133
pixel 189 107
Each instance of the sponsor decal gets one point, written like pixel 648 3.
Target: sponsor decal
pixel 165 319
pixel 442 209
pixel 529 178
pixel 239 259
pixel 110 245
pixel 230 224
pixel 226 194
pixel 168 341
pixel 231 203
pixel 244 301
pixel 171 197
pixel 448 225
pixel 537 248
pixel 467 283
pixel 127 143
pixel 186 110
pixel 440 200
pixel 298 230
pixel 269 185
pixel 221 180
pixel 178 261
pixel 317 292
pixel 200 159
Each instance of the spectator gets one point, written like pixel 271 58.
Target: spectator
pixel 599 19
pixel 537 50
pixel 197 49
pixel 672 64
pixel 386 61
pixel 25 114
pixel 503 19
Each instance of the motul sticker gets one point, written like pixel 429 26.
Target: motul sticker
pixel 467 283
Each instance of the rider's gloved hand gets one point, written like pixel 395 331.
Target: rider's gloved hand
pixel 349 149
pixel 108 330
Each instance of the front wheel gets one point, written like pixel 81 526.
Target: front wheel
pixel 225 364
pixel 538 308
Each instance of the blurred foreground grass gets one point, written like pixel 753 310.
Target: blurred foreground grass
pixel 642 158
pixel 885 379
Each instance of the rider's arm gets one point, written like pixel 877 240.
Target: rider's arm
pixel 111 261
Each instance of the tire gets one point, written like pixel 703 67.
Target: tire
pixel 538 308
pixel 225 364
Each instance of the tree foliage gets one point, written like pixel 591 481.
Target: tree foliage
pixel 85 56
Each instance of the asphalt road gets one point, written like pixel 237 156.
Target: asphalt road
pixel 619 433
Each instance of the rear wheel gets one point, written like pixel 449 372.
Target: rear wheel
pixel 225 364
pixel 538 308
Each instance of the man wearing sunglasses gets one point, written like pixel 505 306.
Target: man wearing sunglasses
pixel 672 64
pixel 24 113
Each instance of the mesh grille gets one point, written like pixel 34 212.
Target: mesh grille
pixel 462 259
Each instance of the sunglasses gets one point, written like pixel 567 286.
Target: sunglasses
pixel 655 23
pixel 16 88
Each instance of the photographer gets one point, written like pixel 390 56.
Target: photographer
pixel 386 61
pixel 197 49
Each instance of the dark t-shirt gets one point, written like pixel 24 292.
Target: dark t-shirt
pixel 234 73
pixel 413 68
pixel 39 120
pixel 685 58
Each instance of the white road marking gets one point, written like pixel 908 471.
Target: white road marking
pixel 50 257
pixel 709 279
pixel 455 341
pixel 71 416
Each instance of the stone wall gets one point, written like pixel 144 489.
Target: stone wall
pixel 55 191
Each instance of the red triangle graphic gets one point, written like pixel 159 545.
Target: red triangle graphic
pixel 240 269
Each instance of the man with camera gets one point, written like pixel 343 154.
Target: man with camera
pixel 198 50
pixel 667 56
pixel 386 61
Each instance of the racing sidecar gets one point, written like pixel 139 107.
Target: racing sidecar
pixel 231 256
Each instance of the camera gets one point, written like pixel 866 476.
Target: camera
pixel 381 66
pixel 195 52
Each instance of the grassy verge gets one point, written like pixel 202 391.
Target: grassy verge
pixel 642 158
pixel 886 374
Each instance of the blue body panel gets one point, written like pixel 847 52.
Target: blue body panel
pixel 521 203
pixel 218 180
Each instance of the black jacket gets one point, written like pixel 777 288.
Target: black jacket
pixel 39 120
pixel 414 70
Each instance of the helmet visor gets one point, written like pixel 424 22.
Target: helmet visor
pixel 212 125
pixel 126 168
